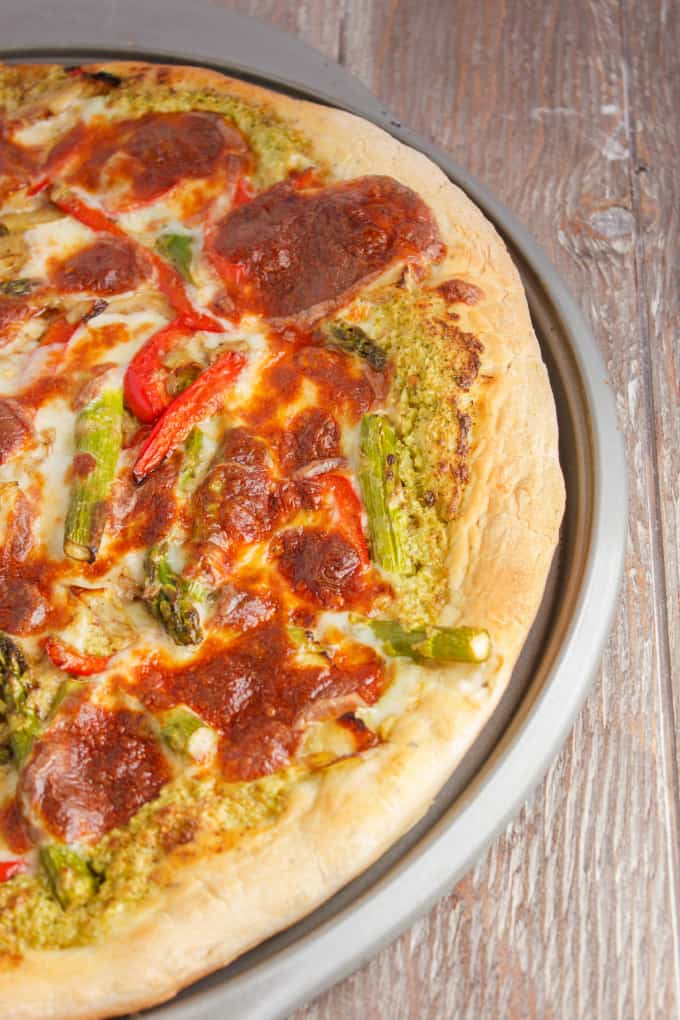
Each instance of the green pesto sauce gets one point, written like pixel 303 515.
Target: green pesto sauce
pixel 278 147
pixel 191 814
pixel 21 85
pixel 430 403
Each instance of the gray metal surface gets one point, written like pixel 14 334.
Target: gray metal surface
pixel 563 649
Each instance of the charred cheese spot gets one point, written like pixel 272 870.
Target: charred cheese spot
pixel 92 771
pixel 253 693
pixel 313 434
pixel 322 566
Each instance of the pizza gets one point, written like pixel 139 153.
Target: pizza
pixel 279 493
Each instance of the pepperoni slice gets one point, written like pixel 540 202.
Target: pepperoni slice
pixel 291 252
pixel 110 265
pixel 153 153
pixel 92 771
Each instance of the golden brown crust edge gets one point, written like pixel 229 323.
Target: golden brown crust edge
pixel 343 820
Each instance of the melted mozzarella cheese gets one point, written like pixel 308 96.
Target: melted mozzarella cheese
pixel 54 242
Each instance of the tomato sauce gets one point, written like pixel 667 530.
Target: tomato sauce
pixel 253 692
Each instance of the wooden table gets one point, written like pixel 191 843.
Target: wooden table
pixel 569 110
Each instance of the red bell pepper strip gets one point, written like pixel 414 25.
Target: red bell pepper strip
pixel 194 404
pixel 59 331
pixel 308 178
pixel 8 869
pixel 69 659
pixel 171 285
pixel 349 507
pixel 144 385
pixel 93 218
pixel 243 192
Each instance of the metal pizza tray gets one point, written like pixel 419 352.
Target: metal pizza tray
pixel 563 649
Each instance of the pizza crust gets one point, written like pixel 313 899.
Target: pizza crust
pixel 340 821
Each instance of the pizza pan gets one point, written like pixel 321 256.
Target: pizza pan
pixel 563 649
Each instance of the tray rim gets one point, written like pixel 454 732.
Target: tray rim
pixel 598 589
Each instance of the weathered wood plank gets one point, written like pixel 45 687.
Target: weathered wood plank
pixel 557 107
pixel 653 46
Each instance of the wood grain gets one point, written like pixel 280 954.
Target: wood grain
pixel 569 111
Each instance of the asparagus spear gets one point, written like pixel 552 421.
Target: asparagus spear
pixel 169 598
pixel 352 338
pixel 69 875
pixel 377 478
pixel 177 249
pixel 15 683
pixel 179 725
pixel 307 647
pixel 192 456
pixel 98 440
pixel 443 644
pixel 17 288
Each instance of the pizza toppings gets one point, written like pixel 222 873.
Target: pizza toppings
pixel 142 515
pixel 70 878
pixel 238 501
pixel 141 159
pixel 460 291
pixel 312 436
pixel 177 249
pixel 378 478
pixel 98 442
pixel 214 501
pixel 91 771
pixel 110 265
pixel 252 693
pixel 8 869
pixel 171 599
pixel 14 829
pixel 292 252
pixel 349 337
pixel 442 644
pixel 70 660
pixel 197 402
pixel 325 567
pixel 146 392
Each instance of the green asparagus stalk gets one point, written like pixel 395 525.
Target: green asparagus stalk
pixel 352 338
pixel 17 288
pixel 308 648
pixel 192 457
pixel 170 598
pixel 15 684
pixel 179 725
pixel 442 644
pixel 177 249
pixel 98 441
pixel 377 478
pixel 69 875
